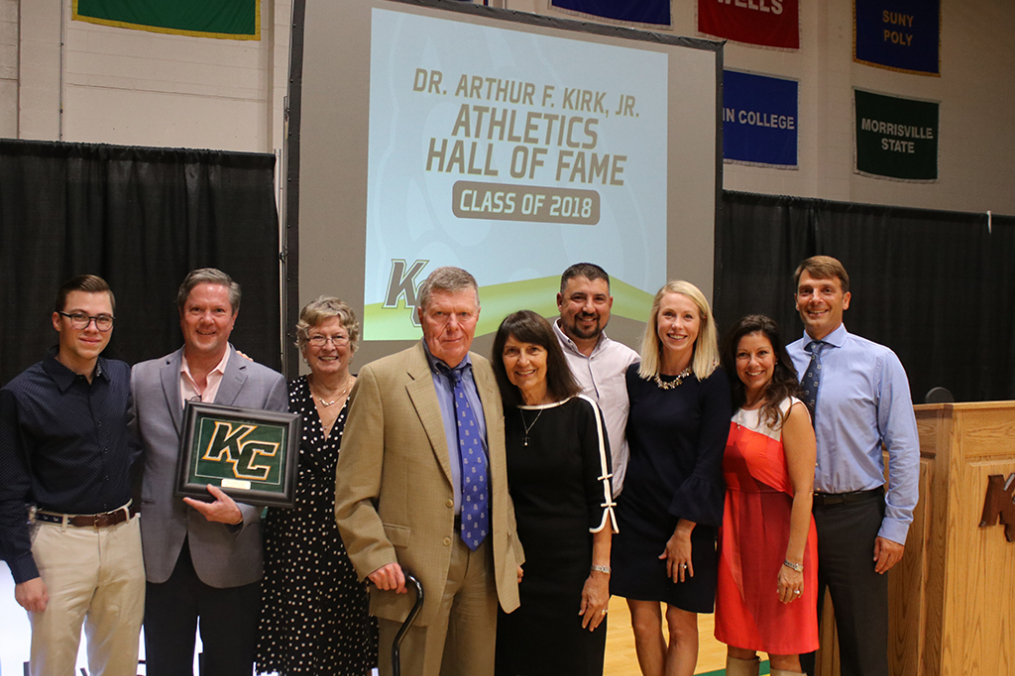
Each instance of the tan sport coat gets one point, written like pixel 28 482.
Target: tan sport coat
pixel 394 500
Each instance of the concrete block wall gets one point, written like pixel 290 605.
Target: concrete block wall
pixel 74 81
pixel 976 93
pixel 8 68
pixel 69 80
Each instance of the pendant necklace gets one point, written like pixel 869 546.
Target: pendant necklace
pixel 669 385
pixel 525 441
pixel 327 404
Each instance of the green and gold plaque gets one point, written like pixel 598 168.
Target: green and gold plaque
pixel 252 455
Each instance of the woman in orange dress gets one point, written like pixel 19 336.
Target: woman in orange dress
pixel 766 597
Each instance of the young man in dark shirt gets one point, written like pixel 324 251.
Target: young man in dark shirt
pixel 66 454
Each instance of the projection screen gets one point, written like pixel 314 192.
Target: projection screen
pixel 424 134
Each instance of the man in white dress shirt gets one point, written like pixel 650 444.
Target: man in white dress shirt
pixel 598 363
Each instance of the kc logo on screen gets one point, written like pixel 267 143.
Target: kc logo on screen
pixel 999 503
pixel 402 284
pixel 229 444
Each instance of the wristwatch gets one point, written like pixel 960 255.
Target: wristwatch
pixel 798 567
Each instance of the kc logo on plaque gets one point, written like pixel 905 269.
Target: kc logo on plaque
pixel 237 448
pixel 250 454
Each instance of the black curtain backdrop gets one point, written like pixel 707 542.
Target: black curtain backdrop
pixel 141 218
pixel 937 287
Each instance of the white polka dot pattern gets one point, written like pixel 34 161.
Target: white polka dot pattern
pixel 314 612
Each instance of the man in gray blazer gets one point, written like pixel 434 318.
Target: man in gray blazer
pixel 202 559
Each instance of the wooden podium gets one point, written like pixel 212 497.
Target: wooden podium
pixel 952 597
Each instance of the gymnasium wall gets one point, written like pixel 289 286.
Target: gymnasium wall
pixel 136 87
pixel 976 92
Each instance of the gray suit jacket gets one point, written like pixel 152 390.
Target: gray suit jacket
pixel 223 556
pixel 394 498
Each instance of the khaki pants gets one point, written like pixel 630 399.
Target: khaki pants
pixel 93 576
pixel 461 641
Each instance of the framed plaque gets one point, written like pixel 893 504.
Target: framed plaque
pixel 252 455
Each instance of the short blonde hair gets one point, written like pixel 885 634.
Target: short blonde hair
pixel 706 345
pixel 318 311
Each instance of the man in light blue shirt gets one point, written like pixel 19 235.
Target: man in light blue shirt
pixel 861 402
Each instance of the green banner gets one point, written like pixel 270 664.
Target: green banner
pixel 896 137
pixel 231 19
pixel 498 301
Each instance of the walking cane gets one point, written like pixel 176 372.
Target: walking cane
pixel 396 645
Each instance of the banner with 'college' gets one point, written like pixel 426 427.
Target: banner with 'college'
pixel 759 119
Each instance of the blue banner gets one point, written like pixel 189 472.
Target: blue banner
pixel 656 12
pixel 898 34
pixel 759 119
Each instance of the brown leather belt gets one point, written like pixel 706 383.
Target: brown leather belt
pixel 85 520
pixel 828 499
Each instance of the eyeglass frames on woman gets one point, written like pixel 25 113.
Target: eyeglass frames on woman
pixel 80 320
pixel 320 341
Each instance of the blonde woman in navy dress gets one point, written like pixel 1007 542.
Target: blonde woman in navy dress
pixel 314 611
pixel 558 461
pixel 672 502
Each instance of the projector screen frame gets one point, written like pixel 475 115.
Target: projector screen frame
pixel 705 269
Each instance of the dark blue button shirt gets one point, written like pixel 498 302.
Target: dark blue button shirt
pixel 64 446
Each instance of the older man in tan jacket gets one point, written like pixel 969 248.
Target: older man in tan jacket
pixel 412 493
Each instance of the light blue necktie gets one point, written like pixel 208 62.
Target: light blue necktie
pixel 475 499
pixel 812 377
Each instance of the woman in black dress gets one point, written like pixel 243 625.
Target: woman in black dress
pixel 673 493
pixel 314 611
pixel 558 460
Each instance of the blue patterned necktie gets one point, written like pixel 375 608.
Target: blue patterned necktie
pixel 475 502
pixel 812 376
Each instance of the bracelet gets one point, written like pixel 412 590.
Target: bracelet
pixel 601 569
pixel 798 567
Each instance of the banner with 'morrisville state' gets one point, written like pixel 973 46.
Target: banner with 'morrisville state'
pixel 771 23
pixel 896 137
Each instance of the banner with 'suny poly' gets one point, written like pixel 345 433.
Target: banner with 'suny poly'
pixel 903 35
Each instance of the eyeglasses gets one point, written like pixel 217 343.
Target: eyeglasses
pixel 320 341
pixel 80 320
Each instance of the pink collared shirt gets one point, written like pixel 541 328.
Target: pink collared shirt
pixel 189 389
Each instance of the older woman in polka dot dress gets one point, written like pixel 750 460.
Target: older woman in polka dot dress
pixel 314 611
